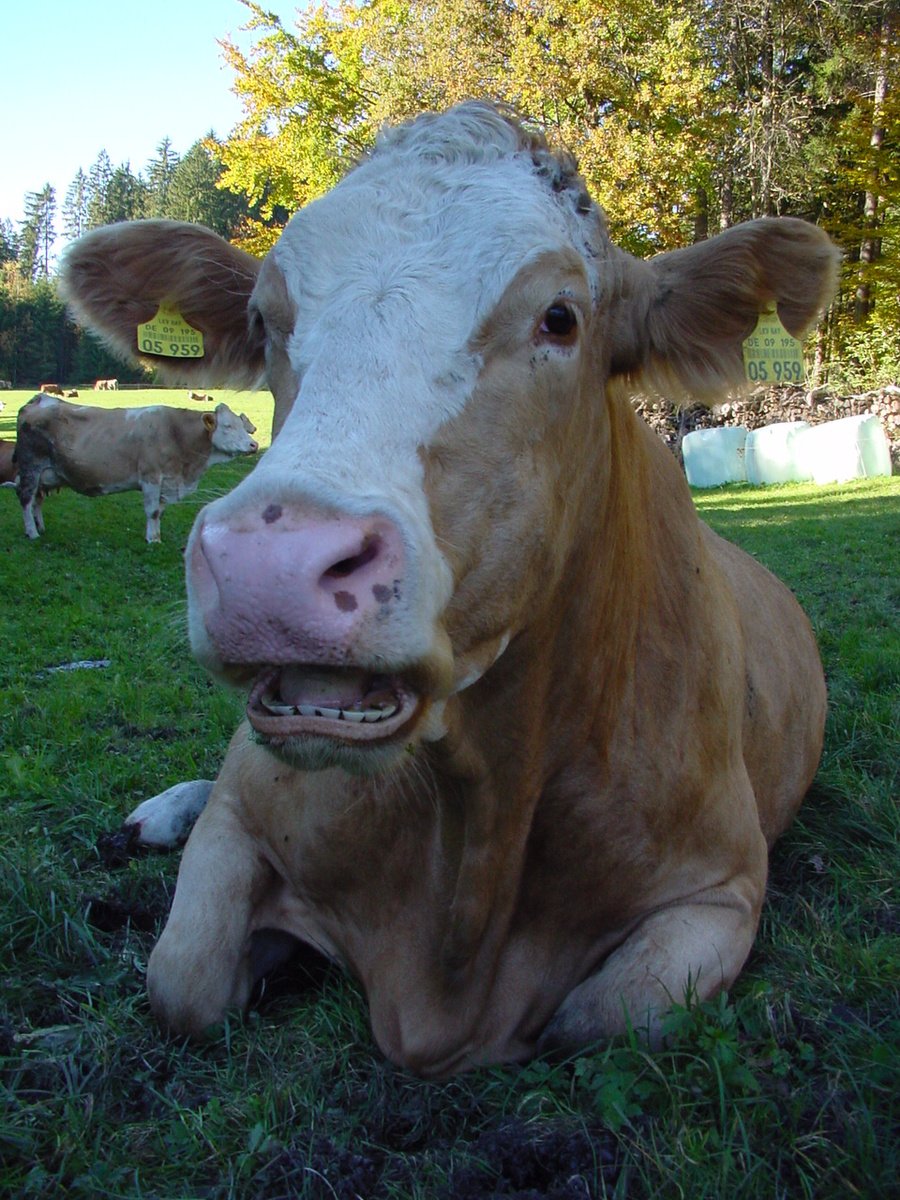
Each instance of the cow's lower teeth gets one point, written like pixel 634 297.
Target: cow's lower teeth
pixel 278 709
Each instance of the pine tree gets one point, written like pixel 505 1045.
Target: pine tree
pixel 99 177
pixel 9 242
pixel 38 233
pixel 75 207
pixel 194 194
pixel 160 173
pixel 126 196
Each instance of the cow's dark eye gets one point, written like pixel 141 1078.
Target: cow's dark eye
pixel 560 322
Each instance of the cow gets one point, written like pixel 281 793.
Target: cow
pixel 106 385
pixel 8 467
pixel 5 385
pixel 51 389
pixel 70 394
pixel 520 728
pixel 199 396
pixel 159 451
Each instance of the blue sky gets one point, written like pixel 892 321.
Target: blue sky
pixel 81 76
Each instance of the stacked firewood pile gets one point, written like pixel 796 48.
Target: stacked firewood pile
pixel 769 405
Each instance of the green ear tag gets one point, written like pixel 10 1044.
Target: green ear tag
pixel 771 355
pixel 168 335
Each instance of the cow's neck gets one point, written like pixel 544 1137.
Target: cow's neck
pixel 557 695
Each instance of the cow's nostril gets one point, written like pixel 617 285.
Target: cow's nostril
pixel 349 566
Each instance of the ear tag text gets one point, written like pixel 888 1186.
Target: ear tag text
pixel 771 354
pixel 168 335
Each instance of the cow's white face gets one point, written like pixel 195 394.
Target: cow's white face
pixel 426 331
pixel 230 433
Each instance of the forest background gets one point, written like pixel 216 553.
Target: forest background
pixel 686 117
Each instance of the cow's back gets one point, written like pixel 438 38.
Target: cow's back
pixel 86 448
pixel 785 701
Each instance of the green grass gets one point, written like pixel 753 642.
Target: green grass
pixel 788 1088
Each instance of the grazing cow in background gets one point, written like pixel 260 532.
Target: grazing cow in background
pixel 106 385
pixel 5 385
pixel 8 468
pixel 199 396
pixel 160 451
pixel 520 727
pixel 51 389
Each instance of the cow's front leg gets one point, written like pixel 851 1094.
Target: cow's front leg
pixel 208 958
pixel 151 490
pixel 689 950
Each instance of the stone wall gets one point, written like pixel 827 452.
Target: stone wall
pixel 769 405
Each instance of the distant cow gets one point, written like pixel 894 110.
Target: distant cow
pixel 520 727
pixel 106 385
pixel 72 394
pixel 158 450
pixel 199 396
pixel 8 468
pixel 51 389
pixel 5 385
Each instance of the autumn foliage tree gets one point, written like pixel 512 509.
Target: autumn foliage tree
pixel 686 116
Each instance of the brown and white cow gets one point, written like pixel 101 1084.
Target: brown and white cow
pixel 520 727
pixel 159 451
pixel 50 389
pixel 8 467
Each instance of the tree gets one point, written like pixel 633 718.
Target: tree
pixel 75 206
pixel 37 233
pixel 160 173
pixel 9 242
pixel 194 194
pixel 99 177
pixel 304 118
pixel 126 196
pixel 620 82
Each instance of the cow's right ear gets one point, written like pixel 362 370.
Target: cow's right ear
pixel 116 277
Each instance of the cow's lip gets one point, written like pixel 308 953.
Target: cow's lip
pixel 347 704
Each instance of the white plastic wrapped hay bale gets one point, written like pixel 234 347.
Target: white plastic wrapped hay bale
pixel 715 456
pixel 851 448
pixel 770 453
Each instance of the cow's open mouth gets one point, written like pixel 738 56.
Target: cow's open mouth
pixel 348 704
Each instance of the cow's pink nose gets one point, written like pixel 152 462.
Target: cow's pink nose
pixel 288 587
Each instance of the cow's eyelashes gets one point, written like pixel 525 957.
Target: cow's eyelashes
pixel 559 323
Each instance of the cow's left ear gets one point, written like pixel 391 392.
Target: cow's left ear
pixel 115 278
pixel 679 319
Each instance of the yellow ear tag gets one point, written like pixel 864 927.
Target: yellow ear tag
pixel 771 355
pixel 168 335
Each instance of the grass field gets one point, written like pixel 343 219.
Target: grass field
pixel 787 1088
